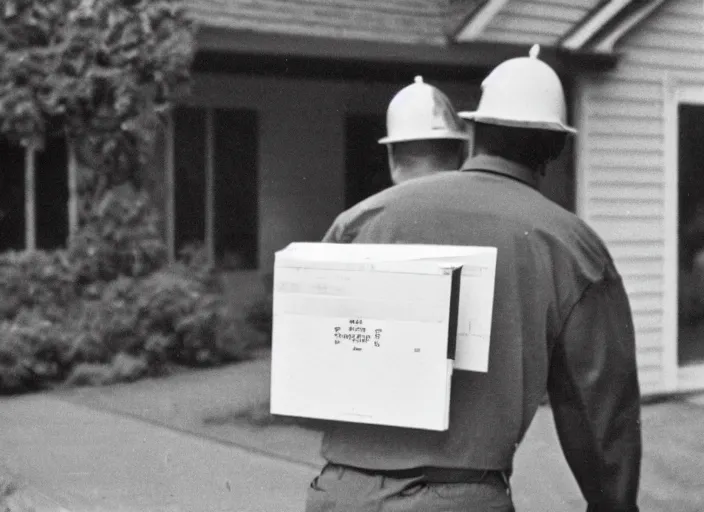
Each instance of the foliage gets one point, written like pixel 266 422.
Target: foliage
pixel 121 235
pixel 134 326
pixel 35 280
pixel 101 72
pixel 101 69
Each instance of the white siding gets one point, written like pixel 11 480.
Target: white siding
pixel 622 184
pixel 536 21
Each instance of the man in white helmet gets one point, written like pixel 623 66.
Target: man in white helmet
pixel 424 133
pixel 561 323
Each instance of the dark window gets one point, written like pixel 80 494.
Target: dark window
pixel 189 161
pixel 235 188
pixel 691 233
pixel 52 194
pixel 12 226
pixel 366 164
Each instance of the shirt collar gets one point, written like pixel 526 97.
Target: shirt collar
pixel 498 165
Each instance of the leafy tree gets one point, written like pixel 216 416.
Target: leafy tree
pixel 98 71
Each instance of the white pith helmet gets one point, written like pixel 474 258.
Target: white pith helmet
pixel 523 92
pixel 421 112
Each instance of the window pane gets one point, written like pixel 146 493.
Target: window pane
pixel 691 235
pixel 11 196
pixel 189 161
pixel 52 194
pixel 366 166
pixel 236 189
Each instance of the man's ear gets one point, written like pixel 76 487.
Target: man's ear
pixel 392 163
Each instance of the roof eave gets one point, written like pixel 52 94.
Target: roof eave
pixel 473 26
pixel 601 29
pixel 588 60
pixel 476 54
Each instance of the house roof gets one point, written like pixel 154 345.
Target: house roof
pixel 571 25
pixel 401 21
pixel 608 24
pixel 393 30
pixel 524 21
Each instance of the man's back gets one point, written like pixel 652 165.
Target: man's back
pixel 547 260
pixel 561 323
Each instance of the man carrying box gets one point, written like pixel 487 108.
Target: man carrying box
pixel 424 133
pixel 561 322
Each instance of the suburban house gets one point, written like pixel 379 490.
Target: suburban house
pixel 279 134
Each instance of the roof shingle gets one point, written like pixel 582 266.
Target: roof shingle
pixel 402 21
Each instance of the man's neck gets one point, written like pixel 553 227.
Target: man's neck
pixel 410 173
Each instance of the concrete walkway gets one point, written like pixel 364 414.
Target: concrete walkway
pixel 153 446
pixel 85 460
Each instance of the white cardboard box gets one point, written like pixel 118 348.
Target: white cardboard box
pixel 366 333
pixel 476 289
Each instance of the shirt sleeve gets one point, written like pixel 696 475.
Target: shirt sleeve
pixel 333 234
pixel 336 233
pixel 595 397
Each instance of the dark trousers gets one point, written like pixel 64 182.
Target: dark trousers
pixel 341 489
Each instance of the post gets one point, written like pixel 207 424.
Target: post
pixel 72 192
pixel 210 184
pixel 170 179
pixel 30 217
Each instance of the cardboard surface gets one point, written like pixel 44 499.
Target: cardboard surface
pixel 371 333
pixel 364 341
pixel 476 289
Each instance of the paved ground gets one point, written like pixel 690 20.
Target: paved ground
pixel 73 449
pixel 207 403
pixel 90 460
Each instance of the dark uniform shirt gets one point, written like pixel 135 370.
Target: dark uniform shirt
pixel 561 321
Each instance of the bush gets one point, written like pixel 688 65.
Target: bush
pixel 137 327
pixel 107 315
pixel 121 236
pixel 35 280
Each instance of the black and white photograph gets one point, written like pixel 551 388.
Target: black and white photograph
pixel 351 255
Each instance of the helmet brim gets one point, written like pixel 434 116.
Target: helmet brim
pixel 555 126
pixel 425 136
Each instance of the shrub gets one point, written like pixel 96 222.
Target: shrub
pixel 35 280
pixel 124 329
pixel 121 236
